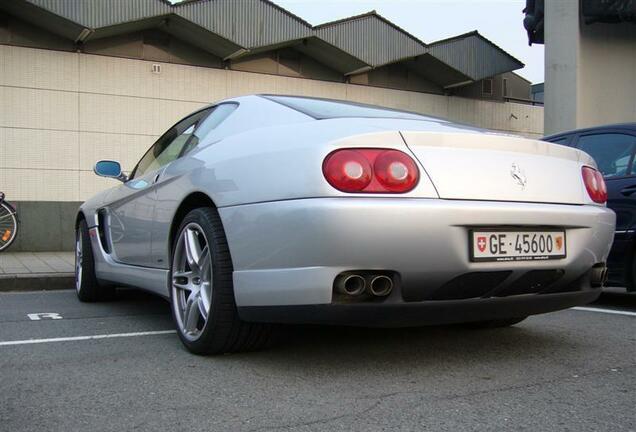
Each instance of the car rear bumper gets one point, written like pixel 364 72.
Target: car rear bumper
pixel 419 313
pixel 288 253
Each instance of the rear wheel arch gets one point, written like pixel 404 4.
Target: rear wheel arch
pixel 193 201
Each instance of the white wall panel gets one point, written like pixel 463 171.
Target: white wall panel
pixel 39 149
pixel 39 184
pixel 131 115
pixel 119 76
pixel 38 109
pixel 65 111
pixel 245 83
pixel 53 70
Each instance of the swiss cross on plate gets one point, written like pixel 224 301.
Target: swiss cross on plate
pixel 481 243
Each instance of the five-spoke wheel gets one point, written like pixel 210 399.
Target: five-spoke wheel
pixel 202 291
pixel 192 281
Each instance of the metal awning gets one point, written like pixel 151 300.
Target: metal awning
pixel 474 56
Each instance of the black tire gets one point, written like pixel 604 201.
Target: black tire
pixel 223 330
pixel 494 323
pixel 87 286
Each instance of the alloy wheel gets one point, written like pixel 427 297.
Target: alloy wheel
pixel 78 261
pixel 191 282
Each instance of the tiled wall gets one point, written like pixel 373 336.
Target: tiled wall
pixel 61 111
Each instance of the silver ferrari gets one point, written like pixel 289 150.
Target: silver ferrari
pixel 269 209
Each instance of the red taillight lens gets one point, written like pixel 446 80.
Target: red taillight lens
pixel 348 170
pixel 595 184
pixel 370 171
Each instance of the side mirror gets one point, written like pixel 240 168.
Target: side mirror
pixel 110 169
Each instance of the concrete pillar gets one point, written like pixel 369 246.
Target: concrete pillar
pixel 590 70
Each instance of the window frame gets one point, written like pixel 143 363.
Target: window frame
pixel 212 108
pixel 630 166
pixel 194 114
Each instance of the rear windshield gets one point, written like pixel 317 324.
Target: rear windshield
pixel 328 109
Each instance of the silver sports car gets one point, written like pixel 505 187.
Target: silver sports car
pixel 278 209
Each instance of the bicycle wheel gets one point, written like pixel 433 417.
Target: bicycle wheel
pixel 8 225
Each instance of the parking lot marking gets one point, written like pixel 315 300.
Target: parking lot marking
pixel 83 338
pixel 48 315
pixel 607 311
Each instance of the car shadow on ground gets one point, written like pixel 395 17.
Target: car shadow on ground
pixel 618 298
pixel 340 349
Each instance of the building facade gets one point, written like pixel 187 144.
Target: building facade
pixel 590 61
pixel 83 81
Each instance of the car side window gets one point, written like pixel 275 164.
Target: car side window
pixel 612 152
pixel 217 116
pixel 170 145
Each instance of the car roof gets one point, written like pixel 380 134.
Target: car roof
pixel 624 126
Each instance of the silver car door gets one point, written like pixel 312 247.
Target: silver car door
pixel 128 218
pixel 131 210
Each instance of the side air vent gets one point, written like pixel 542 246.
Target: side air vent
pixel 101 228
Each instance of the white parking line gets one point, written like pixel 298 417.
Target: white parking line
pixel 82 338
pixel 607 311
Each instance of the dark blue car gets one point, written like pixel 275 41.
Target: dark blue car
pixel 613 147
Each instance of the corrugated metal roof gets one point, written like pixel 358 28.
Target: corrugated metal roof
pixel 371 38
pixel 249 23
pixel 102 13
pixel 367 39
pixel 474 55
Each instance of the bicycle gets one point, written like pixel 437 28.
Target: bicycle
pixel 8 223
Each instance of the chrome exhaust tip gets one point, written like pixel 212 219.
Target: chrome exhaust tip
pixel 352 284
pixel 381 286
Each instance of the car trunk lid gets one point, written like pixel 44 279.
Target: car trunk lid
pixel 494 167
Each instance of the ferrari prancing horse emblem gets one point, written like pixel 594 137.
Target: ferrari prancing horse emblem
pixel 517 173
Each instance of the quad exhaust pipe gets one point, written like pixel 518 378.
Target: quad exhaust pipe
pixel 353 284
pixel 381 286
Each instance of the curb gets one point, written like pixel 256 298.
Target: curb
pixel 37 282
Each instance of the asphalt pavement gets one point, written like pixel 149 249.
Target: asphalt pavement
pixel 118 366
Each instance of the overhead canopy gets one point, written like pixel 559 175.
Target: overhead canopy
pixel 474 56
pixel 318 49
pixel 450 62
pixel 231 29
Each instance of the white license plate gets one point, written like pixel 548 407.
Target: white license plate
pixel 516 245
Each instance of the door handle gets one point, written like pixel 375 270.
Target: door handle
pixel 156 178
pixel 628 190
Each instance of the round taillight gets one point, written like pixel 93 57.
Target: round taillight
pixel 348 170
pixel 595 184
pixel 395 171
pixel 370 170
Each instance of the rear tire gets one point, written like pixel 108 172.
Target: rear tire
pixel 494 323
pixel 202 292
pixel 86 284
